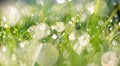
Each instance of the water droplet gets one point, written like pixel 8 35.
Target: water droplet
pixel 12 15
pixel 40 31
pixel 109 59
pixel 77 48
pixel 72 36
pixel 103 9
pixel 59 27
pixel 22 44
pixel 79 7
pixel 91 7
pixel 84 39
pixel 114 43
pixel 54 36
pixel 119 23
pixel 48 55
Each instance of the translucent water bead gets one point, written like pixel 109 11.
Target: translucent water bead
pixel 59 27
pixel 83 41
pixel 39 31
pixel 103 9
pixel 48 55
pixel 109 59
pixel 12 15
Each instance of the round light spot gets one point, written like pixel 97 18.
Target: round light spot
pixel 72 36
pixel 12 15
pixel 48 55
pixel 91 7
pixel 40 31
pixel 54 36
pixel 22 45
pixel 84 39
pixel 59 27
pixel 109 59
pixel 77 48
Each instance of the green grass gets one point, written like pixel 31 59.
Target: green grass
pixel 100 41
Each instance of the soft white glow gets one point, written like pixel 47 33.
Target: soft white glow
pixel 3 49
pixel 119 23
pixel 91 7
pixel 79 7
pixel 4 19
pixel 22 45
pixel 103 10
pixel 12 15
pixel 40 2
pixel 84 39
pixel 13 57
pixel 59 27
pixel 60 1
pixel 72 36
pixel 54 36
pixel 109 59
pixel 77 48
pixel 39 31
pixel 48 55
pixel 83 17
pixel 6 26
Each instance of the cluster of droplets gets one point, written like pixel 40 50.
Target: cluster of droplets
pixel 39 31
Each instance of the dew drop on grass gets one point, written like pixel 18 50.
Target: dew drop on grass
pixel 109 59
pixel 91 7
pixel 84 39
pixel 12 15
pixel 54 36
pixel 40 31
pixel 103 9
pixel 59 27
pixel 114 43
pixel 77 48
pixel 48 55
pixel 72 36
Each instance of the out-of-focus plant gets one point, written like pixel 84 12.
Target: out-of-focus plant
pixel 60 33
